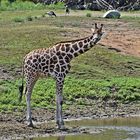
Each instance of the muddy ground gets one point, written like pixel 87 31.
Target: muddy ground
pixel 124 40
pixel 13 125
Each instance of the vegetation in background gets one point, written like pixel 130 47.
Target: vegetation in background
pixel 28 5
pixel 95 5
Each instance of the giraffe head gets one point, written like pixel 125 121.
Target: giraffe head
pixel 97 33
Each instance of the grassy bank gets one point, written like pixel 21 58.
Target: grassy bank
pixel 75 92
pixel 99 73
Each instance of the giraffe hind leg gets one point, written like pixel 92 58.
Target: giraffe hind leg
pixel 29 87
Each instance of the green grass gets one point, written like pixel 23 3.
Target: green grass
pixel 93 75
pixel 99 62
pixel 126 89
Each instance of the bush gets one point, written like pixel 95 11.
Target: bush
pixel 27 5
pixel 29 18
pixel 88 15
pixel 18 19
pixel 19 5
pixel 59 5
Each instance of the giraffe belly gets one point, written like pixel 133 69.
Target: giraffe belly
pixel 59 70
pixel 43 75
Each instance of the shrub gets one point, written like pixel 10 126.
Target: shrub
pixel 18 19
pixel 59 5
pixel 88 15
pixel 28 5
pixel 29 18
pixel 19 5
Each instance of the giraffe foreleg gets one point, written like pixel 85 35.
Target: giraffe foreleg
pixel 59 118
pixel 59 102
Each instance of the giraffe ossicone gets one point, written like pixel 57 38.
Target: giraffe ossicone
pixel 55 62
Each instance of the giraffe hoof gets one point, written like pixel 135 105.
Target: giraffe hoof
pixel 62 127
pixel 30 124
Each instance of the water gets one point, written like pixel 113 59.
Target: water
pixel 109 129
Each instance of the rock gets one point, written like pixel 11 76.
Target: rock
pixel 112 14
pixel 93 6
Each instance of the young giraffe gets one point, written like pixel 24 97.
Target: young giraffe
pixel 54 61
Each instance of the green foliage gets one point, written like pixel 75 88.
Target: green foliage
pixel 10 1
pixel 8 96
pixel 123 88
pixel 18 19
pixel 28 5
pixel 59 5
pixel 19 5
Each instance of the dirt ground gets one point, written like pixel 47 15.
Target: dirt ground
pixel 124 40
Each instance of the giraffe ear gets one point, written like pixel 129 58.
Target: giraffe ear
pixel 96 27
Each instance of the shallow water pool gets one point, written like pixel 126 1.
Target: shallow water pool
pixel 103 129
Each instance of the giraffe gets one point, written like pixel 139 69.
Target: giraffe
pixel 55 62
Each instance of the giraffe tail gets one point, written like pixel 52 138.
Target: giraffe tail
pixel 21 87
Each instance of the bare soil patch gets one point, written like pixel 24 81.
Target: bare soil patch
pixel 9 73
pixel 4 74
pixel 123 36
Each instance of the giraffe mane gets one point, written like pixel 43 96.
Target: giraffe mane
pixel 68 41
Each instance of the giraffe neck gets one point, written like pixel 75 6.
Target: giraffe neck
pixel 80 46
